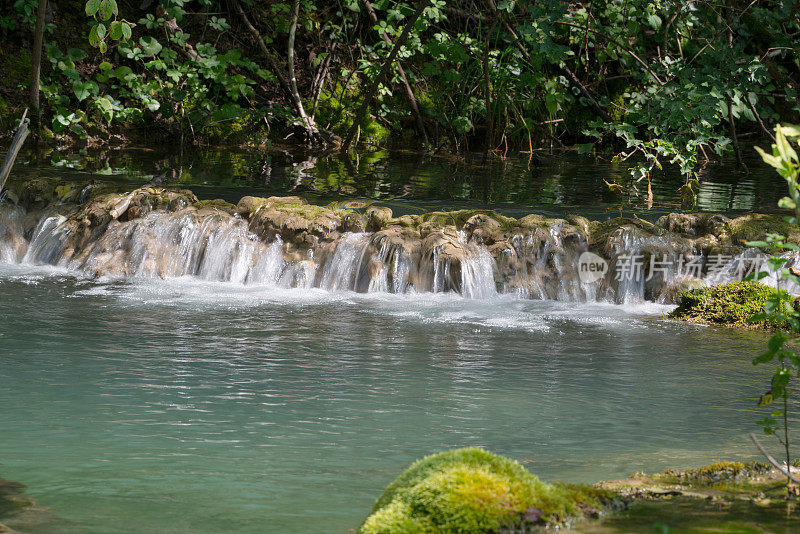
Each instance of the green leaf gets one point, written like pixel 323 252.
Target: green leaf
pixel 105 65
pixel 126 31
pixel 784 147
pixel 654 21
pixel 115 32
pixel 94 37
pixel 76 54
pixel 787 203
pixel 81 90
pixel 107 9
pixel 764 358
pixel 92 6
pixel 777 341
pixel 790 130
pixel 769 159
pixel 150 46
pixel 585 148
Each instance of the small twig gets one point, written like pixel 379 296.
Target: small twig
pixel 758 118
pixel 772 460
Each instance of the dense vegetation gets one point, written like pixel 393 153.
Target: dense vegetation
pixel 658 79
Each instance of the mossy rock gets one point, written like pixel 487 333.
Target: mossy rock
pixel 717 473
pixel 694 224
pixel 602 231
pixel 459 218
pixel 731 304
pixel 470 491
pixel 755 227
pixel 219 204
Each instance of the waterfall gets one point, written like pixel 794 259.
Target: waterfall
pixel 12 240
pixel 538 261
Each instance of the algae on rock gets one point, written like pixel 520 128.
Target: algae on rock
pixel 731 304
pixel 474 491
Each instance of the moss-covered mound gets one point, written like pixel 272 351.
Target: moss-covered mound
pixel 472 490
pixel 730 304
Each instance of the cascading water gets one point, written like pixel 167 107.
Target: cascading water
pixel 541 262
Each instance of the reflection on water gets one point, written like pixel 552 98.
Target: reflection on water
pixel 190 406
pixel 410 182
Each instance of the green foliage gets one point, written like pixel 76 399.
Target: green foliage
pixel 733 303
pixel 653 83
pixel 474 491
pixel 103 28
pixel 781 307
pixel 24 15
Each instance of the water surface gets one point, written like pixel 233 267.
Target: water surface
pixel 187 406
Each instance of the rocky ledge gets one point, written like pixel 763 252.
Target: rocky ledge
pixel 536 256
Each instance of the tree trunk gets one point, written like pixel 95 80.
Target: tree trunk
pixel 16 144
pixel 36 67
pixel 311 127
pixel 421 5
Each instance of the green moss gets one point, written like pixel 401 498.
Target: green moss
pixel 472 490
pixel 335 112
pixel 16 68
pixel 730 304
pixel 715 473
pixel 219 204
pixel 719 497
pixel 755 227
pixel 460 217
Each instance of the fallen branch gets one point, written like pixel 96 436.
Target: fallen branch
pixel 13 150
pixel 758 118
pixel 772 460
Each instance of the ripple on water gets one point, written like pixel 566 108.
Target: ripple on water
pixel 136 405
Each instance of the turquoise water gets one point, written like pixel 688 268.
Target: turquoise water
pixel 181 406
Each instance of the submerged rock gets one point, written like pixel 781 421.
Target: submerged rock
pixel 720 497
pixel 18 510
